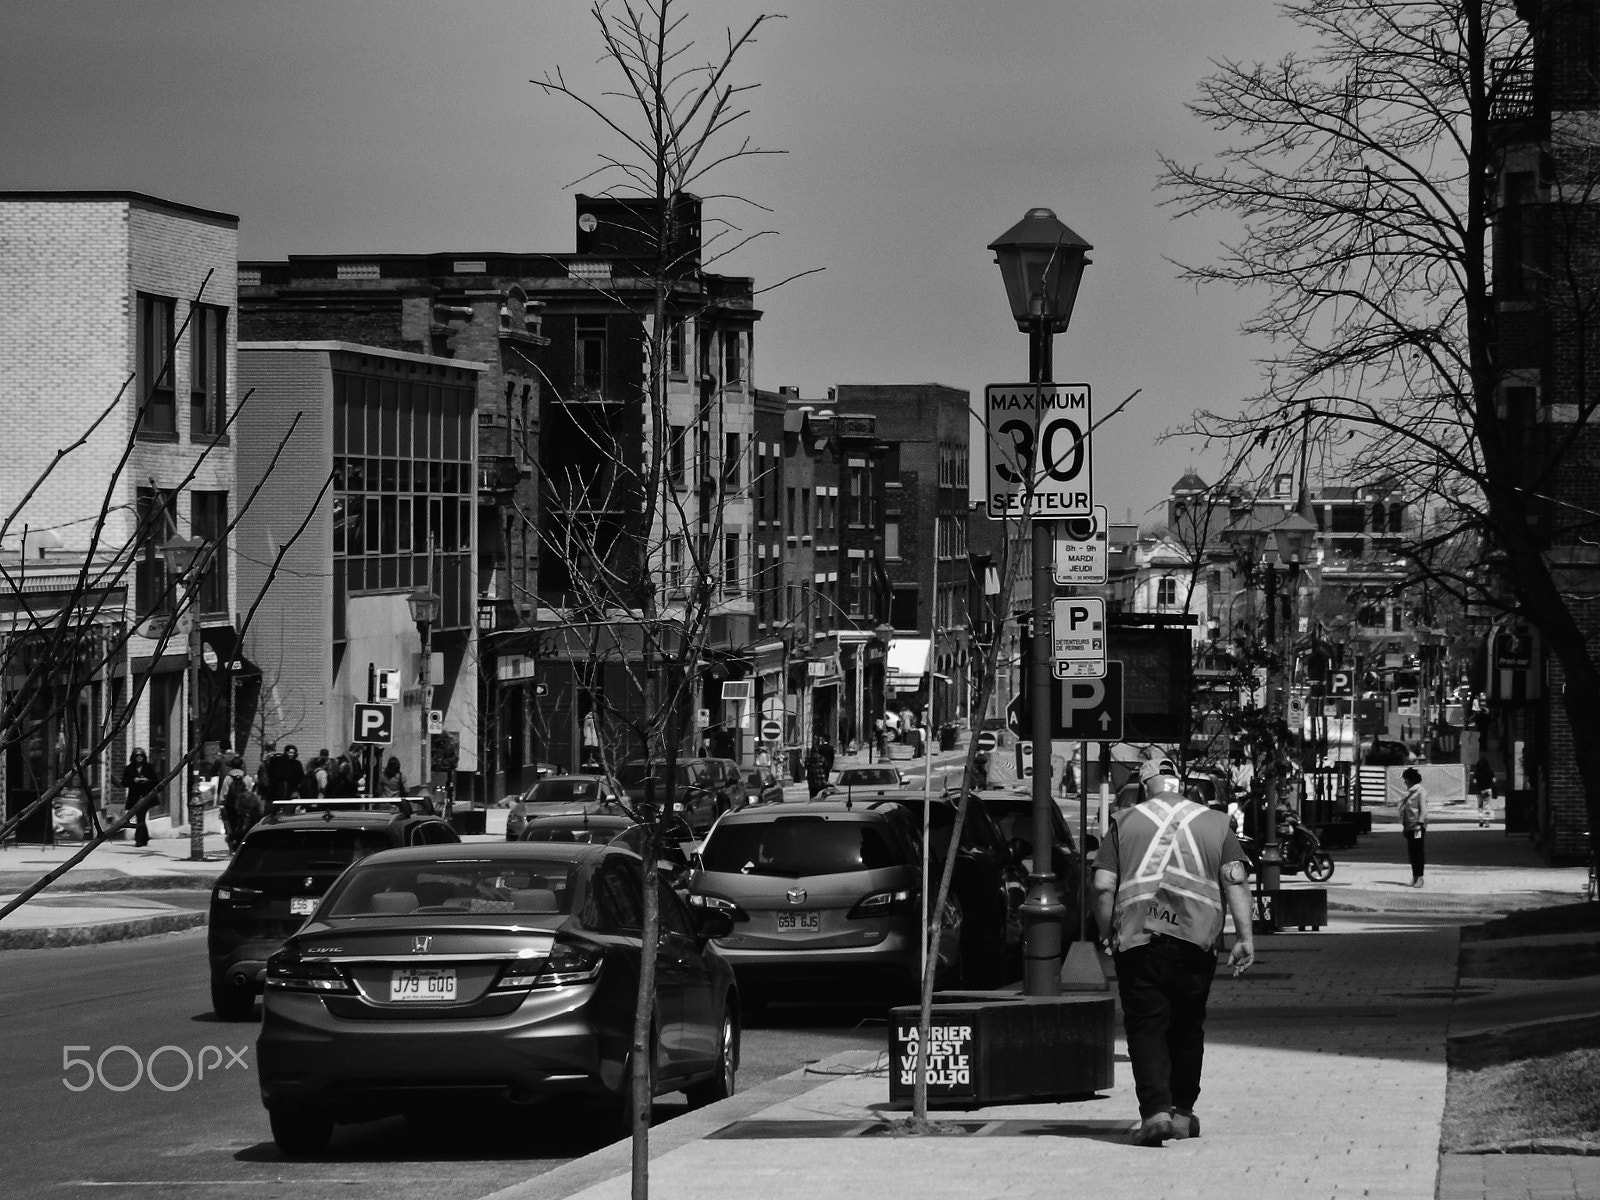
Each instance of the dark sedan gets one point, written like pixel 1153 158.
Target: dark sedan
pixel 493 973
pixel 1013 811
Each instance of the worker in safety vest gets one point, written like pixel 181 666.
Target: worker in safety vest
pixel 1164 871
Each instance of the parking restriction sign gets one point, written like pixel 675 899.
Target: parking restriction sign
pixel 1078 637
pixel 1039 431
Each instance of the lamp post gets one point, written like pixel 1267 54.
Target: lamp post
pixel 185 559
pixel 424 607
pixel 1042 262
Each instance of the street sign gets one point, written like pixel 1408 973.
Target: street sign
pixel 373 725
pixel 1078 637
pixel 388 689
pixel 1342 683
pixel 1038 431
pixel 435 720
pixel 1081 710
pixel 771 731
pixel 1080 556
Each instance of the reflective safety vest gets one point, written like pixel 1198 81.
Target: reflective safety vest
pixel 1169 856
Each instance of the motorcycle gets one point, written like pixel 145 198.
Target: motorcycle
pixel 1299 847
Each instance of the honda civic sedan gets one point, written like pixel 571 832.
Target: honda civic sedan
pixel 488 973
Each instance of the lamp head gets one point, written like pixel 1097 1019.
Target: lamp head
pixel 1042 263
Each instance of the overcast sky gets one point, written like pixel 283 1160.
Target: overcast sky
pixel 915 132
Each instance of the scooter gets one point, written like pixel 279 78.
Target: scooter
pixel 1299 847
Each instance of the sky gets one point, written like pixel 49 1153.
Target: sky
pixel 913 132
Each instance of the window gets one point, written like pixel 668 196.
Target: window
pixel 589 355
pixel 208 370
pixel 732 361
pixel 208 519
pixel 1517 235
pixel 677 346
pixel 730 562
pixel 157 513
pixel 730 461
pixel 806 524
pixel 791 526
pixel 1166 591
pixel 675 453
pixel 675 561
pixel 891 539
pixel 154 368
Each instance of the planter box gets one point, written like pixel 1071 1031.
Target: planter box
pixel 1003 1048
pixel 1300 908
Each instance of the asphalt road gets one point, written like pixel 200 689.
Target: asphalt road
pixel 82 1119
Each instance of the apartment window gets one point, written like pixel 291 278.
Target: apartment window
pixel 589 355
pixel 208 520
pixel 677 346
pixel 730 461
pixel 806 523
pixel 891 539
pixel 732 358
pixel 730 563
pixel 792 504
pixel 157 392
pixel 675 453
pixel 156 510
pixel 208 370
pixel 675 561
pixel 1166 591
pixel 1517 273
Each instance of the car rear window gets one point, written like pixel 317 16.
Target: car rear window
pixel 800 845
pixel 634 774
pixel 270 850
pixel 561 791
pixel 869 777
pixel 484 886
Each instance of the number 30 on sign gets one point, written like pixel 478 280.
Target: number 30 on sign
pixel 1039 430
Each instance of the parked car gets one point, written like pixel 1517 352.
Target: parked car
pixel 761 786
pixel 705 788
pixel 561 794
pixel 282 868
pixel 1385 752
pixel 446 975
pixel 1013 812
pixel 608 829
pixel 855 783
pixel 822 897
pixel 989 880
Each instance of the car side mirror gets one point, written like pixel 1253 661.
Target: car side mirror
pixel 1021 848
pixel 712 923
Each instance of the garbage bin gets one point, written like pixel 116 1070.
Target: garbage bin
pixel 947 736
pixel 469 820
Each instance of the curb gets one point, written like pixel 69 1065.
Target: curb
pixel 616 1159
pixel 54 937
pixel 113 883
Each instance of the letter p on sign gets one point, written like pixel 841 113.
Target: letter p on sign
pixel 373 725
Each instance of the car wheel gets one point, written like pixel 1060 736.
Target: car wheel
pixel 1319 866
pixel 298 1130
pixel 231 1002
pixel 721 1085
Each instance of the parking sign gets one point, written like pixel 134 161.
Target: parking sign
pixel 1078 637
pixel 373 725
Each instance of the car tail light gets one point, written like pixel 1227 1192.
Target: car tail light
pixel 881 904
pixel 305 975
pixel 569 962
pixel 718 904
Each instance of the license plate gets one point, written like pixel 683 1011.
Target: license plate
pixel 302 906
pixel 423 983
pixel 800 920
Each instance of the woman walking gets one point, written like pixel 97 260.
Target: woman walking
pixel 138 778
pixel 1414 821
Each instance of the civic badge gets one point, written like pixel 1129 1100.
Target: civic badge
pixel 419 945
pixel 796 895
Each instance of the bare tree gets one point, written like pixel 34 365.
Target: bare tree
pixel 1364 175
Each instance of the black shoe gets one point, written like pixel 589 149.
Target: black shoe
pixel 1153 1130
pixel 1184 1124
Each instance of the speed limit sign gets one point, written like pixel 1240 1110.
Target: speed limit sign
pixel 1039 433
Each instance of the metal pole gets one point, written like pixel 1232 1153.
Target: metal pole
pixel 424 682
pixel 1041 910
pixel 197 811
pixel 1270 874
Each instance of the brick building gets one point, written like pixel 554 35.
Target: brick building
pixel 122 303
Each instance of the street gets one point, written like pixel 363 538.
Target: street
pixel 82 1117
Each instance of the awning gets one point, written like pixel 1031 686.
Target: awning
pixel 220 650
pixel 907 663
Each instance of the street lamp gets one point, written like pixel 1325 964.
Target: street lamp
pixel 1042 262
pixel 424 607
pixel 185 558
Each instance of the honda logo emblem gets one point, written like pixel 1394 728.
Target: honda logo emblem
pixel 419 945
pixel 796 895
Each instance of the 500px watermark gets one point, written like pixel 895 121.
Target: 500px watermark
pixel 124 1060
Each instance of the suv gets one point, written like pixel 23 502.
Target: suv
pixel 820 894
pixel 1013 812
pixel 705 788
pixel 989 879
pixel 281 870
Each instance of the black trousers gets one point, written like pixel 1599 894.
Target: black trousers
pixel 1414 850
pixel 1164 986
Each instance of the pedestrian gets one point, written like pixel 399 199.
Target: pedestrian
pixel 241 808
pixel 341 781
pixel 827 756
pixel 816 770
pixel 1483 785
pixel 1414 821
pixel 138 778
pixel 1162 877
pixel 393 782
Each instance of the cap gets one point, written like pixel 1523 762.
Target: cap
pixel 1157 766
